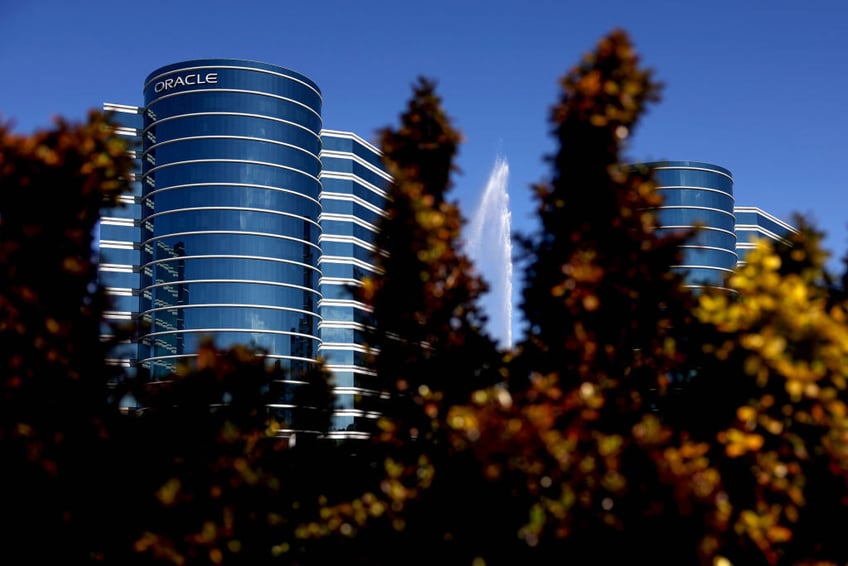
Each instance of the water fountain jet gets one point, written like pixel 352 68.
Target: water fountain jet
pixel 489 244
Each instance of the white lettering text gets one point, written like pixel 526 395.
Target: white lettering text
pixel 186 80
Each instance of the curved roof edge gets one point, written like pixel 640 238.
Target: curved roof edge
pixel 231 62
pixel 687 164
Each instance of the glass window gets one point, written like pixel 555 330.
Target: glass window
pixel 704 276
pixel 284 344
pixel 345 270
pixel 332 291
pixel 263 104
pixel 236 149
pixel 222 172
pixel 694 216
pixel 116 255
pixel 233 220
pixel 338 206
pixel 230 292
pixel 192 268
pixel 118 279
pixel 348 250
pixel 349 187
pixel 709 257
pixel 205 123
pixel 247 244
pixel 693 178
pixel 697 197
pixel 219 194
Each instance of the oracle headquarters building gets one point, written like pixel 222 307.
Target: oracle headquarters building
pixel 248 223
pixel 700 195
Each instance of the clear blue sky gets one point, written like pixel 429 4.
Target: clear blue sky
pixel 756 86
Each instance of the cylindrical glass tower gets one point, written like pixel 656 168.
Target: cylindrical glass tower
pixel 230 215
pixel 697 194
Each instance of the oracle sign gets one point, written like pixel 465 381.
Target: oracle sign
pixel 186 80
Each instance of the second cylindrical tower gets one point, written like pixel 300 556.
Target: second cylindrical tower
pixel 699 196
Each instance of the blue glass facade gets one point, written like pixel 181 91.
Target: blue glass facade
pixel 753 224
pixel 697 194
pixel 701 194
pixel 249 224
pixel 230 206
pixel 117 239
pixel 353 201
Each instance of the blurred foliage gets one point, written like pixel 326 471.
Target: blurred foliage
pixel 427 332
pixel 635 422
pixel 53 404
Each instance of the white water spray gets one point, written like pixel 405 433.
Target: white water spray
pixel 489 244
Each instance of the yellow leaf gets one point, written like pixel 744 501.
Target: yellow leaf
pixel 777 533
